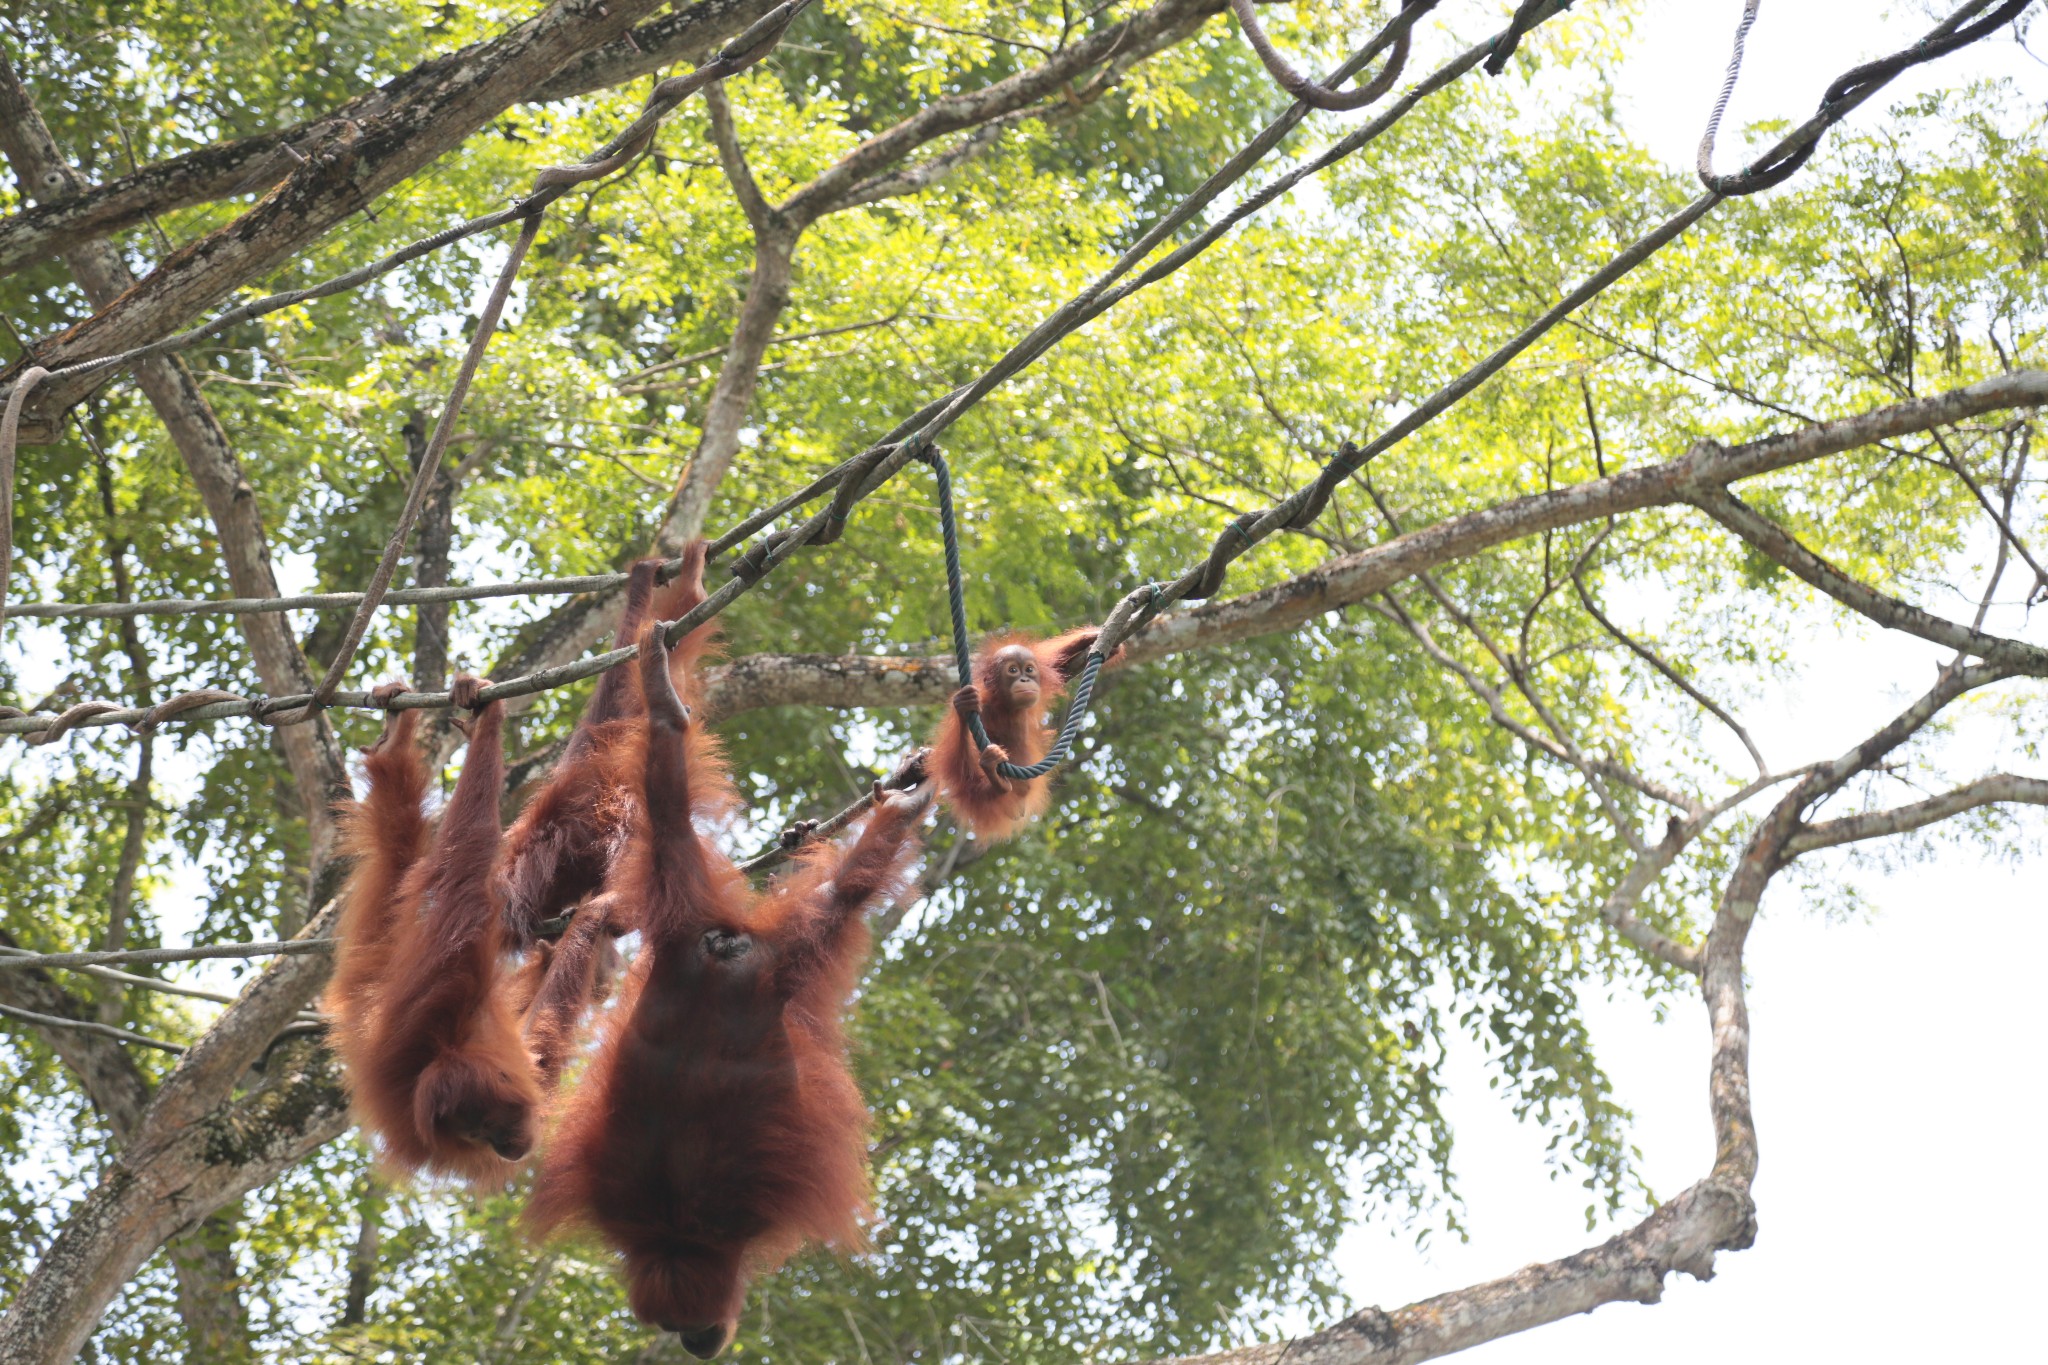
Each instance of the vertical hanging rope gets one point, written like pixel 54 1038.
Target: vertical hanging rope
pixel 10 425
pixel 963 658
pixel 1313 93
pixel 1706 154
pixel 423 477
pixel 1848 90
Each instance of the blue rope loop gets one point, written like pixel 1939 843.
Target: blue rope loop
pixel 963 657
pixel 1084 691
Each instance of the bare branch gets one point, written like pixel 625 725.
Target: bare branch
pixel 971 108
pixel 288 947
pixel 1671 674
pixel 1618 909
pixel 148 983
pixel 1878 824
pixel 105 1072
pixel 1592 769
pixel 1784 548
pixel 92 1026
pixel 733 160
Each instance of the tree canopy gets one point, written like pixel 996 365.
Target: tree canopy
pixel 1437 764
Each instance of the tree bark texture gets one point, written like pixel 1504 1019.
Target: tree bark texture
pixel 449 99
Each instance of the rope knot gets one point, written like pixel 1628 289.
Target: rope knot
pixel 753 565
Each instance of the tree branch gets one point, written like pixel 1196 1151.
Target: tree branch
pixel 1670 674
pixel 1783 548
pixel 59 1023
pixel 105 1071
pixel 1879 824
pixel 764 680
pixel 155 1188
pixel 732 159
pixel 447 101
pixel 971 108
pixel 1684 1235
pixel 210 1069
pixel 310 750
pixel 245 165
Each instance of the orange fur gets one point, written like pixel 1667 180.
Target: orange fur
pixel 561 844
pixel 385 833
pixel 975 795
pixel 435 1063
pixel 718 1128
pixel 575 975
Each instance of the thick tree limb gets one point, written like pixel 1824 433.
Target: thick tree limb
pixel 1879 824
pixel 448 100
pixel 208 1072
pixel 1784 548
pixel 849 681
pixel 310 750
pixel 243 165
pixel 1713 1215
pixel 153 1190
pixel 66 220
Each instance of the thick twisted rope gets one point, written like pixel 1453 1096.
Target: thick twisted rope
pixel 1305 88
pixel 1847 91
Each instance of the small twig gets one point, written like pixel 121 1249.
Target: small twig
pixel 88 1026
pixel 261 949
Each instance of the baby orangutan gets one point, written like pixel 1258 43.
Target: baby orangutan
pixel 1015 679
pixel 718 1128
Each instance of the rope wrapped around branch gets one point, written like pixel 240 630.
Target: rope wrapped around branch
pixel 1316 95
pixel 1849 89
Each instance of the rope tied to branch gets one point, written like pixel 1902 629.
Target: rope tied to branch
pixel 1139 606
pixel 1317 95
pixel 1852 87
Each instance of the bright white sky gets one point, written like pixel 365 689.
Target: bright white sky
pixel 1896 1069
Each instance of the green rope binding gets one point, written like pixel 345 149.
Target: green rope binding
pixel 963 659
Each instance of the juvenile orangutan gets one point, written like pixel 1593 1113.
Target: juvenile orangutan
pixel 1015 679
